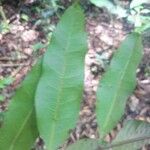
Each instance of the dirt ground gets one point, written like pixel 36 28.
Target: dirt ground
pixel 105 33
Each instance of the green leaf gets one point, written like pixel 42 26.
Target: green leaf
pixel 8 80
pixel 136 3
pixel 118 83
pixel 2 98
pixel 1 85
pixel 132 135
pixel 5 81
pixel 103 3
pixel 19 129
pixel 60 87
pixel 24 17
pixel 85 144
pixel 145 24
pixel 38 46
pixel 115 9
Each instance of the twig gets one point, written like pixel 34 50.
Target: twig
pixel 13 59
pixel 3 15
pixel 16 71
pixel 14 65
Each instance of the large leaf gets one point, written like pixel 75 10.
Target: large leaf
pixel 60 87
pixel 118 83
pixel 85 144
pixel 132 135
pixel 19 129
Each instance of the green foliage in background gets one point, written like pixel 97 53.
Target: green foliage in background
pixel 136 13
pixel 112 7
pixel 4 26
pixel 3 83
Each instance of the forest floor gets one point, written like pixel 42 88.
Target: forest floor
pixel 23 42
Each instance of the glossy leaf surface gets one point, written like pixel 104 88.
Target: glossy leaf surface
pixel 135 131
pixel 118 83
pixel 19 130
pixel 60 87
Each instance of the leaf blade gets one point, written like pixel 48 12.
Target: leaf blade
pixel 19 129
pixel 119 80
pixel 85 144
pixel 57 108
pixel 133 129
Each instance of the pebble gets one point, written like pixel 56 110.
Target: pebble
pixel 99 29
pixel 118 26
pixel 95 82
pixel 92 136
pixel 105 38
pixel 29 35
pixel 28 51
pixel 1 36
pixel 134 103
pixel 15 28
pixel 95 88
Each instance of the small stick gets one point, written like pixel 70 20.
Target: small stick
pixel 14 65
pixel 3 15
pixel 13 59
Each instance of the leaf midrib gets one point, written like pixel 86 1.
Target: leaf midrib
pixel 20 130
pixel 118 89
pixel 60 90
